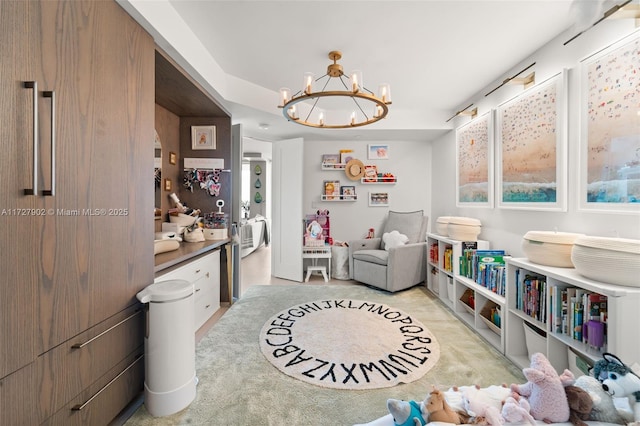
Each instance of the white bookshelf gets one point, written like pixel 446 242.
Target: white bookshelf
pixel 450 287
pixel 623 310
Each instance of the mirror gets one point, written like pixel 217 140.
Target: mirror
pixel 157 166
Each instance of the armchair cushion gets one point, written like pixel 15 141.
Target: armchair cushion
pixel 407 223
pixel 394 239
pixel 373 256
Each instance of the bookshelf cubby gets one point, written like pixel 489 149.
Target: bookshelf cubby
pixel 455 290
pixel 623 317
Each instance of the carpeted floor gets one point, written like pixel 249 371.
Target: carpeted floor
pixel 238 386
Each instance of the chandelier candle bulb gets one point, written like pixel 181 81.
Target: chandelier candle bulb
pixel 353 118
pixel 321 119
pixel 284 95
pixel 356 81
pixel 308 82
pixel 385 93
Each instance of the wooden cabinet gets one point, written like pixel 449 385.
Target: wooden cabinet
pixel 80 137
pixel 204 273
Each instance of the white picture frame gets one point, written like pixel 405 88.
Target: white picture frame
pixel 531 148
pixel 475 162
pixel 203 137
pixel 378 199
pixel 609 148
pixel 377 151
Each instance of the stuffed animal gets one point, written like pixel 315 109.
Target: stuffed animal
pixel 580 404
pixel 619 381
pixel 517 410
pixel 479 405
pixel 439 410
pixel 405 413
pixel 603 409
pixel 545 390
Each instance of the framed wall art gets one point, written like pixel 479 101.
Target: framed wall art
pixel 474 162
pixel 377 152
pixel 610 128
pixel 203 137
pixel 378 199
pixel 531 140
pixel 172 158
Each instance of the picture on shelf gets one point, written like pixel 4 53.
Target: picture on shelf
pixel 330 159
pixel 347 192
pixel 370 173
pixel 378 199
pixel 331 189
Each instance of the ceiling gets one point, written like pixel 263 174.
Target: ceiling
pixel 436 55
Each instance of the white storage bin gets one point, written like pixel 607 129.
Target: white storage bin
pixel 464 228
pixel 610 260
pixel 549 248
pixel 534 341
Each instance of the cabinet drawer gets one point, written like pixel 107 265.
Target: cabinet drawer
pixel 73 366
pixel 207 302
pixel 105 399
pixel 17 398
pixel 194 270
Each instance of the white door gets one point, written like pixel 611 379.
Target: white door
pixel 286 178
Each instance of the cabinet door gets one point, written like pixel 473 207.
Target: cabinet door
pixel 19 222
pixel 96 248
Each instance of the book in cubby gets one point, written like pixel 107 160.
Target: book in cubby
pixel 447 259
pixel 485 268
pixel 580 315
pixel 531 291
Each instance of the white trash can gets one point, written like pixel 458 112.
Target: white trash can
pixel 170 347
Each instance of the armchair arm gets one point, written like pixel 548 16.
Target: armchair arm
pixel 409 259
pixel 362 244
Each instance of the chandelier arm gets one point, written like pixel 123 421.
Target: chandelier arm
pixel 360 108
pixel 317 99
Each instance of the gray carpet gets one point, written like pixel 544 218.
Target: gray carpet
pixel 238 386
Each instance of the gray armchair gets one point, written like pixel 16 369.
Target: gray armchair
pixel 399 267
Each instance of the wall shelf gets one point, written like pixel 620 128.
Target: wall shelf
pixel 333 166
pixel 380 181
pixel 338 198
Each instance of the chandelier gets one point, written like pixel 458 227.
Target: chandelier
pixel 366 107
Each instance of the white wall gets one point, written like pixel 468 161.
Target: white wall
pixel 505 228
pixel 409 161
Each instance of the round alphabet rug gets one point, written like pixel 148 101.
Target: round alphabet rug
pixel 349 344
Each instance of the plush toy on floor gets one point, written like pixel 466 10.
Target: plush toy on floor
pixel 603 409
pixel 618 380
pixel 439 410
pixel 580 405
pixel 517 410
pixel 481 407
pixel 545 390
pixel 407 413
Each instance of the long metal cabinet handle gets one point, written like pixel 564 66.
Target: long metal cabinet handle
pixel 82 345
pixel 52 95
pixel 34 189
pixel 79 407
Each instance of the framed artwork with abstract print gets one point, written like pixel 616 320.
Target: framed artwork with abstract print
pixel 610 128
pixel 532 148
pixel 474 162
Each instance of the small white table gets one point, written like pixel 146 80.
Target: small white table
pixel 315 253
